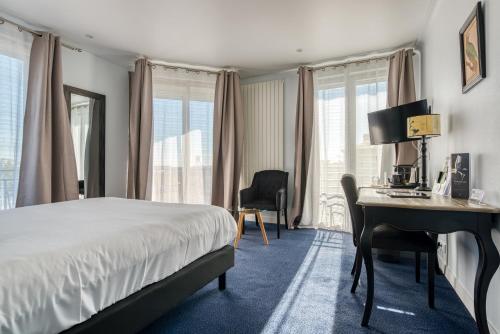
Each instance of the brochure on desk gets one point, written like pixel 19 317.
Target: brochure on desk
pixel 460 175
pixel 442 184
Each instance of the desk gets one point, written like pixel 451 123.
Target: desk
pixel 438 215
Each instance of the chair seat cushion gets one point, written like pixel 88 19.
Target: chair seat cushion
pixel 387 237
pixel 261 205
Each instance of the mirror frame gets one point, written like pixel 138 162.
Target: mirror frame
pixel 68 90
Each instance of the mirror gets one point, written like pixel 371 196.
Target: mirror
pixel 87 117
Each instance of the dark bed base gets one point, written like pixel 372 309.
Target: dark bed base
pixel 138 310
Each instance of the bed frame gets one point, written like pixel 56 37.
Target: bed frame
pixel 140 309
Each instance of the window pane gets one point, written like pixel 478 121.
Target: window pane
pixel 167 150
pixel 344 96
pixel 332 118
pixel 183 121
pixel 369 97
pixel 12 96
pixel 201 114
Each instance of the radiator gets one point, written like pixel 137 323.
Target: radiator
pixel 263 114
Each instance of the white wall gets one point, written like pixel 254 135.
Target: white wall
pixel 290 87
pixel 87 71
pixel 470 124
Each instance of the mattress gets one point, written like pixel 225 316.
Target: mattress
pixel 61 263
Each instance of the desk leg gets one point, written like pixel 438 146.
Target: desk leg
pixel 366 250
pixel 486 268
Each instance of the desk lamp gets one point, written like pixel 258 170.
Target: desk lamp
pixel 424 126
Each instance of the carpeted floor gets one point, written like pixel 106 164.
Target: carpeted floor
pixel 301 284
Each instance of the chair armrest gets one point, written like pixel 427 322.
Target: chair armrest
pixel 281 199
pixel 246 196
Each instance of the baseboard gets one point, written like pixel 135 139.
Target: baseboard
pixel 465 296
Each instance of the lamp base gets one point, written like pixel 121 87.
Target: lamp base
pixel 421 188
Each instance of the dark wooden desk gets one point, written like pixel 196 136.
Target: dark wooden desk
pixel 438 215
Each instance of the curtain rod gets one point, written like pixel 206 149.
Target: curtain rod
pixel 185 68
pixel 361 61
pixel 188 68
pixel 22 28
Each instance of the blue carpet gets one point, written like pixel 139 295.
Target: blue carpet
pixel 301 284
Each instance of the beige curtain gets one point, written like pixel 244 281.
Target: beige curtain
pixel 48 164
pixel 401 90
pixel 228 140
pixel 140 131
pixel 303 141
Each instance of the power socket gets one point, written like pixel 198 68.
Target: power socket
pixel 442 250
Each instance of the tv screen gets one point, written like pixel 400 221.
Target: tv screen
pixel 389 125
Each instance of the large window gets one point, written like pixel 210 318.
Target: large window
pixel 14 55
pixel 344 98
pixel 183 108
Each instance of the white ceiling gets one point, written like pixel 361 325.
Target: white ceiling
pixel 256 36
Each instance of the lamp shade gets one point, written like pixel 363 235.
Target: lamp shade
pixel 424 125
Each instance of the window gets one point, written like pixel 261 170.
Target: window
pixel 344 97
pixel 371 95
pixel 183 107
pixel 14 60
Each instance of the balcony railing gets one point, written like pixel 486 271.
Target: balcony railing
pixel 8 193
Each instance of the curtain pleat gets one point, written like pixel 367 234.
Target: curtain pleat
pixel 140 131
pixel 92 151
pixel 401 90
pixel 228 140
pixel 303 141
pixel 48 166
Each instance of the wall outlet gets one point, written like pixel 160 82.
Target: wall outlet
pixel 442 250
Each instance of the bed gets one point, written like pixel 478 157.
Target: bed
pixel 106 265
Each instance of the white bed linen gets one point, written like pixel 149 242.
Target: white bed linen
pixel 61 263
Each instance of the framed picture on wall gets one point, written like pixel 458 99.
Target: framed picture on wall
pixel 472 49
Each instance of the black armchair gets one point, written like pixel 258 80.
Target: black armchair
pixel 268 192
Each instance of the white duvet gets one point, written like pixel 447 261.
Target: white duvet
pixel 61 263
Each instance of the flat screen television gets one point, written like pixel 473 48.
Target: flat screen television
pixel 389 125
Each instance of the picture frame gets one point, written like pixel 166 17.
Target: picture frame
pixel 472 49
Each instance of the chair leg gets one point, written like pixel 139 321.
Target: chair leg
pixel 358 262
pixel 431 264
pixel 353 270
pixel 417 267
pixel 256 221
pixel 278 223
pixel 243 226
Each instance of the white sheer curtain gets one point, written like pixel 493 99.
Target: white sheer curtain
pixel 183 105
pixel 341 143
pixel 15 49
